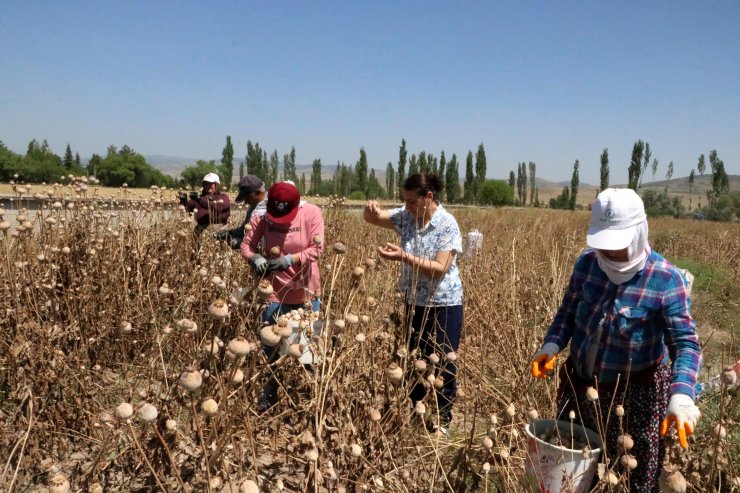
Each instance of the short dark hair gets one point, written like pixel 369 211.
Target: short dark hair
pixel 423 183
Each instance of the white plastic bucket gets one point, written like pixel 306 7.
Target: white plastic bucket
pixel 299 337
pixel 560 469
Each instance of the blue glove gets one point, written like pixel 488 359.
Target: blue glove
pixel 259 263
pixel 280 264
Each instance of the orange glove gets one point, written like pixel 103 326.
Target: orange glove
pixel 683 412
pixel 543 362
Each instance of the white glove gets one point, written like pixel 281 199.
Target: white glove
pixel 683 412
pixel 543 361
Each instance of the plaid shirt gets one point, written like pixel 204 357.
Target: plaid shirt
pixel 639 319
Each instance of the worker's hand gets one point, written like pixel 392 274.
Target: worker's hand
pixel 222 235
pixel 259 263
pixel 683 412
pixel 280 264
pixel 194 196
pixel 372 211
pixel 543 361
pixel 391 251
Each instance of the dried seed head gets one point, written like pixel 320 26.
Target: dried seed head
pixel 191 380
pixel 165 289
pixel 339 324
pixel 486 467
pixel 451 356
pixel 95 488
pixel 317 239
pixel 249 486
pixel 671 481
pixel 170 424
pixel 494 419
pixel 369 262
pixel 371 301
pixel 203 272
pixel 395 373
pixel 237 377
pixel 629 462
pixel 275 251
pixel 364 319
pixel 619 410
pixel 719 431
pixel 420 408
pixel 592 394
pixel 59 484
pixel 625 443
pixel 434 358
pixel 147 412
pixel 126 327
pixel 572 415
pixel 420 365
pixel 487 442
pixel 374 415
pixel 209 407
pixel 439 382
pixel 511 410
pixel 295 351
pixel 728 377
pixel 533 414
pixel 239 346
pixel 339 248
pixel 351 318
pixel 360 337
pixel 218 309
pixel 355 449
pixel 357 273
pixel 402 352
pixel 265 288
pixel 269 336
pixel 124 410
pixel 187 325
pixel 611 479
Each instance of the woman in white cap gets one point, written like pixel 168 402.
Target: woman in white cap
pixel 212 206
pixel 634 351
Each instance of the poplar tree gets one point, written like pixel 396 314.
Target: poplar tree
pixel 274 165
pixel 480 168
pixel 532 182
pixel 401 165
pixel 692 177
pixel 413 165
pixel 469 180
pixel 78 163
pixel 452 181
pixel 390 182
pixel 574 186
pixel 423 163
pixel 226 172
pixel 668 175
pixel 289 171
pixel 645 162
pixel 361 171
pixel 604 184
pixel 654 168
pixel 633 171
pixel 68 160
pixel 512 180
pixel 315 177
pixel 441 170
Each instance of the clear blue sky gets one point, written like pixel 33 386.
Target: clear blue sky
pixel 549 82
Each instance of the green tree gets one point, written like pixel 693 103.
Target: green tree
pixel 720 180
pixel 496 193
pixel 668 175
pixel 562 201
pixel 401 165
pixel 390 180
pixel 481 167
pixel 701 165
pixel 633 171
pixel 192 176
pixel 69 159
pixel 93 164
pixel 373 186
pixel 413 165
pixel 532 183
pixel 604 183
pixel 469 180
pixel 441 172
pixel 521 184
pixel 361 170
pixel 645 162
pixel 129 167
pixel 512 180
pixel 302 184
pixel 275 167
pixel 256 160
pixel 315 177
pixel 452 181
pixel 654 168
pixel 10 163
pixel 241 170
pixel 289 169
pixel 423 163
pixel 78 162
pixel 692 177
pixel 226 171
pixel 574 186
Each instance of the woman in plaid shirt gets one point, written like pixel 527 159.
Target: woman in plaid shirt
pixel 626 316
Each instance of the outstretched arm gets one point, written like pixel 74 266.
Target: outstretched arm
pixel 374 215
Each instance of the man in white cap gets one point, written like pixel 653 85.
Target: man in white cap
pixel 212 206
pixel 632 339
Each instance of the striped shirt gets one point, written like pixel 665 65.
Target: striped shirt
pixel 639 319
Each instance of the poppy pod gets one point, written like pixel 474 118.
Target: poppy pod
pixel 339 248
pixel 218 309
pixel 147 412
pixel 209 407
pixel 265 288
pixel 395 373
pixel 239 346
pixel 374 415
pixel 124 410
pixel 191 380
pixel 351 318
pixel 59 484
pixel 268 336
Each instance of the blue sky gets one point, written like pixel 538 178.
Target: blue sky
pixel 549 82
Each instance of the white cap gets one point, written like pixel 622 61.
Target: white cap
pixel 614 215
pixel 212 178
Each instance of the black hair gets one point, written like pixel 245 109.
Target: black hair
pixel 423 183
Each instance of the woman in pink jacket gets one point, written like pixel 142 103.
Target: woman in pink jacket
pixel 284 246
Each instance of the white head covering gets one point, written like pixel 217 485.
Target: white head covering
pixel 637 254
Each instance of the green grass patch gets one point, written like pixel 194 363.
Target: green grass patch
pixel 707 277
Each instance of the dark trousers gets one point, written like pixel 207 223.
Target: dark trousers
pixel 436 329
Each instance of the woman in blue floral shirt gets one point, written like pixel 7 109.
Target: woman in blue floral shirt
pixel 430 280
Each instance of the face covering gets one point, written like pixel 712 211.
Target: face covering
pixel 637 253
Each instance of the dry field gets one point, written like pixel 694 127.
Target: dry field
pixel 110 316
